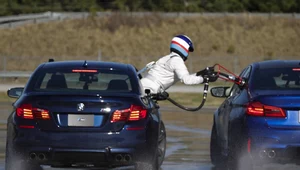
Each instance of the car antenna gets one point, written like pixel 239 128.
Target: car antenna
pixel 85 64
pixel 51 60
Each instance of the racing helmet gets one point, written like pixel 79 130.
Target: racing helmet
pixel 182 45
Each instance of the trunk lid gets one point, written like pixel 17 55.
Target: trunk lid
pixel 289 101
pixel 81 112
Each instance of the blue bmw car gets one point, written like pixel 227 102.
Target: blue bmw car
pixel 258 122
pixel 84 114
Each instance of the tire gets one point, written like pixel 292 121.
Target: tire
pixel 159 154
pixel 145 166
pixel 148 165
pixel 216 156
pixel 13 161
pixel 10 164
pixel 162 144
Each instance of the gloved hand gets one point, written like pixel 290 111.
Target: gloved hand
pixel 208 73
pixel 212 77
pixel 203 72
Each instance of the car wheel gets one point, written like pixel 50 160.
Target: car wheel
pixel 146 166
pixel 13 161
pixel 159 154
pixel 216 156
pixel 162 144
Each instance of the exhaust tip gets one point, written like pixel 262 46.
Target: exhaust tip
pixel 42 156
pixel 127 158
pixel 119 157
pixel 263 154
pixel 272 154
pixel 32 156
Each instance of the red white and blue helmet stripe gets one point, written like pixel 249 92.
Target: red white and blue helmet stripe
pixel 182 44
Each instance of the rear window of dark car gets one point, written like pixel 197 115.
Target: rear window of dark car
pixel 83 80
pixel 277 78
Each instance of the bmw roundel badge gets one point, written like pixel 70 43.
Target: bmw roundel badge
pixel 80 107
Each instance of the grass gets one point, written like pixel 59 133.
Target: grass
pixel 139 40
pixel 5 98
pixel 187 99
pixel 192 100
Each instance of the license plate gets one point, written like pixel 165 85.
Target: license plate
pixel 80 120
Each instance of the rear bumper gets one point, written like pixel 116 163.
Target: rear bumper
pixel 86 148
pixel 276 155
pixel 70 157
pixel 274 145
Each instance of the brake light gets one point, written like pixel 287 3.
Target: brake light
pixel 296 69
pixel 134 113
pixel 259 109
pixel 26 111
pixel 84 71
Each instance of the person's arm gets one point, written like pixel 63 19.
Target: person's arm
pixel 180 69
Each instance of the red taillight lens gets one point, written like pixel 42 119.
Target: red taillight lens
pixel 134 113
pixel 259 109
pixel 26 111
pixel 255 109
pixel 137 113
pixel 120 115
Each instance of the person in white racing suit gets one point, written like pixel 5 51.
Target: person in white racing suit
pixel 171 68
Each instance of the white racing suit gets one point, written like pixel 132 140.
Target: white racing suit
pixel 166 72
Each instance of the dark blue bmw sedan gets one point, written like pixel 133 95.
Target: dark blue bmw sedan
pixel 84 113
pixel 259 122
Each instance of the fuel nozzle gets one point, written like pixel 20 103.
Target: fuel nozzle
pixel 227 75
pixel 237 80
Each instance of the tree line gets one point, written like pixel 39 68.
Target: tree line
pixel 14 7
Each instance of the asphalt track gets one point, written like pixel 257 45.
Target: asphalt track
pixel 188 137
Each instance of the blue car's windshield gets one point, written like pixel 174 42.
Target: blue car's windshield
pixel 276 79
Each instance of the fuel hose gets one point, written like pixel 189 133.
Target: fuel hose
pixel 229 76
pixel 206 85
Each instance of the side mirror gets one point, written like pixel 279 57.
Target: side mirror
pixel 219 91
pixel 15 92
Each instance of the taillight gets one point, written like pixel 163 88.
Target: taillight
pixel 134 113
pixel 26 111
pixel 259 109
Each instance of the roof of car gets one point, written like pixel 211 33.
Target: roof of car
pixel 86 64
pixel 276 64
